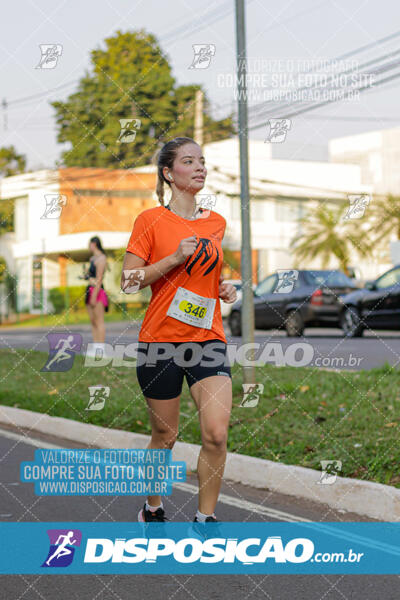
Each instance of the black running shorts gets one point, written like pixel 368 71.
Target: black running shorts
pixel 162 378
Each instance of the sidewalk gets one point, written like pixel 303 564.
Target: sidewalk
pixel 363 497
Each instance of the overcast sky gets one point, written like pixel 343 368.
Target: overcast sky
pixel 285 31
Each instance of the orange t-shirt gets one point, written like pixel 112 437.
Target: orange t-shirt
pixel 156 234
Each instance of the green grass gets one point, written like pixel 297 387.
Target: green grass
pixel 81 317
pixel 305 415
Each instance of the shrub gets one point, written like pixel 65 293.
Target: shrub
pixel 57 299
pixel 76 295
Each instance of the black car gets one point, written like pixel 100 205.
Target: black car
pixel 376 306
pixel 312 301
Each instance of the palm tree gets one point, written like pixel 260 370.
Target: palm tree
pixel 326 233
pixel 385 217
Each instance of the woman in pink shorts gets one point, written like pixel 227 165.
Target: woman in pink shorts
pixel 96 298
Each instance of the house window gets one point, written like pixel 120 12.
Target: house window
pixel 256 207
pixel 288 211
pixel 257 210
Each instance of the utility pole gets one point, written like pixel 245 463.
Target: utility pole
pixel 246 266
pixel 4 105
pixel 198 118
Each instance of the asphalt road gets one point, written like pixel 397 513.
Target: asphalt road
pixel 19 503
pixel 326 347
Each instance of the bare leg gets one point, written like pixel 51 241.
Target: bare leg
pixel 90 310
pixel 99 329
pixel 164 418
pixel 213 398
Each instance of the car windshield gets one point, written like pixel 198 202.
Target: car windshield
pixel 329 278
pixel 388 279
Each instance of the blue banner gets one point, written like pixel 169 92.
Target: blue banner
pixel 95 472
pixel 213 548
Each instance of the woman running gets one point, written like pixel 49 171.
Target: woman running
pixel 178 249
pixel 96 298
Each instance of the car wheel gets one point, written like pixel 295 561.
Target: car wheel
pixel 294 324
pixel 350 323
pixel 235 324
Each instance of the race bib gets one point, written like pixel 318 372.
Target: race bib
pixel 192 309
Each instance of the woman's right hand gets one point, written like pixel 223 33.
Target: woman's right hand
pixel 186 248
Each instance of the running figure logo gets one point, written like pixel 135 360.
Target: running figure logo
pixel 202 56
pixel 62 547
pixel 205 203
pixel 278 129
pixel 131 280
pixel 128 130
pixel 98 395
pixel 50 55
pixel 330 469
pixel 251 394
pixel 358 205
pixel 62 351
pixel 286 281
pixel 54 205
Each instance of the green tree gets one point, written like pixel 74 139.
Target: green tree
pixel 325 233
pixel 3 269
pixel 232 261
pixel 3 274
pixel 184 117
pixel 11 163
pixel 6 215
pixel 131 78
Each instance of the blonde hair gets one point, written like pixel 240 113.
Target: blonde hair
pixel 165 158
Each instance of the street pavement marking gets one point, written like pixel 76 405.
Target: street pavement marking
pixel 245 504
pixel 184 487
pixel 26 440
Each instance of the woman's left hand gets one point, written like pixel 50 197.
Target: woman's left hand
pixel 227 291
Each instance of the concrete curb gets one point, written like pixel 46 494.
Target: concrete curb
pixel 374 500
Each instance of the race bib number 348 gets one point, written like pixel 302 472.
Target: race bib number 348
pixel 192 309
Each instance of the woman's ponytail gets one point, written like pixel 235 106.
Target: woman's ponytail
pixel 160 190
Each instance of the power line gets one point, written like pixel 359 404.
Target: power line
pixel 4 106
pixel 216 15
pixel 234 176
pixel 346 55
pixel 315 106
pixel 182 31
pixel 260 107
pixel 348 118
pixel 40 94
pixel 392 119
pixel 295 16
pixel 370 45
